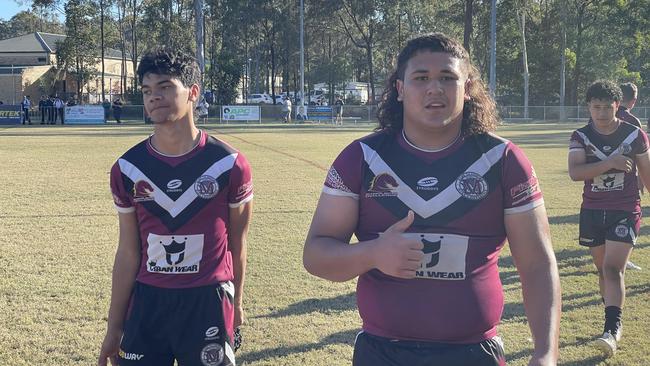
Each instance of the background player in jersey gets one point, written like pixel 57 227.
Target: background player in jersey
pixel 432 196
pixel 184 201
pixel 630 93
pixel 605 154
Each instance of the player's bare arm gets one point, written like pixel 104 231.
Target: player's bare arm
pixel 643 166
pixel 328 253
pixel 240 218
pixel 125 269
pixel 532 251
pixel 580 170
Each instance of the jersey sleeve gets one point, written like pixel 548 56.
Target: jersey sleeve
pixel 241 182
pixel 640 144
pixel 121 198
pixel 576 142
pixel 521 186
pixel 344 176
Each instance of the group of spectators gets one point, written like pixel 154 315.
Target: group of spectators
pixel 117 109
pixel 51 109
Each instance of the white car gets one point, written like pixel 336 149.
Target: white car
pixel 260 99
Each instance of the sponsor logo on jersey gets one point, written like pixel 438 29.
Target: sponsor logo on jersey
pixel 607 148
pixel 427 184
pixel 211 333
pixel 174 254
pixel 130 356
pixel 608 182
pixel 383 185
pixel 621 231
pixel 206 187
pixel 472 186
pixel 142 191
pixel 444 256
pixel 524 191
pixel 174 185
pixel 212 354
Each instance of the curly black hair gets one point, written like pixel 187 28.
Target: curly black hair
pixel 165 61
pixel 604 90
pixel 479 113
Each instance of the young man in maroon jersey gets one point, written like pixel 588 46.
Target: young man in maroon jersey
pixel 605 154
pixel 432 197
pixel 184 201
pixel 630 93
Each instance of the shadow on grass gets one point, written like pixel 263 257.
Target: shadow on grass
pixel 327 306
pixel 344 337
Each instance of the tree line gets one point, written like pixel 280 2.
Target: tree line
pixel 541 44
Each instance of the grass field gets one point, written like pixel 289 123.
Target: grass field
pixel 59 229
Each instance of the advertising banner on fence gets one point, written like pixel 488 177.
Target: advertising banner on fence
pixel 10 115
pixel 319 113
pixel 84 115
pixel 240 113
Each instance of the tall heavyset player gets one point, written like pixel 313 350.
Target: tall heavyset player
pixel 184 201
pixel 432 197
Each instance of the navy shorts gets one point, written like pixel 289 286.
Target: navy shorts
pixel 370 350
pixel 597 226
pixel 190 325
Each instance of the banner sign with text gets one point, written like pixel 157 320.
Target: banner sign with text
pixel 84 115
pixel 240 113
pixel 10 115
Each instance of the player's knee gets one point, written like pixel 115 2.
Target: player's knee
pixel 613 272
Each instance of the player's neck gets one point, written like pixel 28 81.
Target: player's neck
pixel 607 129
pixel 432 140
pixel 175 138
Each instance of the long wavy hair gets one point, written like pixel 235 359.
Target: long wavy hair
pixel 479 113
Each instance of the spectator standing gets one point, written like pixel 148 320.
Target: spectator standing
pixel 286 109
pixel 26 104
pixel 58 110
pixel 338 109
pixel 42 108
pixel 117 110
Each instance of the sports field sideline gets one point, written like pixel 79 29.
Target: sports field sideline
pixel 58 229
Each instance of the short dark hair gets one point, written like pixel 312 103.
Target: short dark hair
pixel 479 113
pixel 604 90
pixel 165 61
pixel 629 91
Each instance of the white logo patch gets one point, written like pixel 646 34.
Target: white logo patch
pixel 174 254
pixel 621 231
pixel 174 185
pixel 211 333
pixel 444 256
pixel 472 186
pixel 206 187
pixel 608 182
pixel 427 184
pixel 212 355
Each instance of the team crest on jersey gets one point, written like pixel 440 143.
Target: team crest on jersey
pixel 212 354
pixel 174 254
pixel 206 187
pixel 444 256
pixel 625 148
pixel 383 185
pixel 472 186
pixel 142 191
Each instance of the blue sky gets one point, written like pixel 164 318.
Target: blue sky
pixel 9 8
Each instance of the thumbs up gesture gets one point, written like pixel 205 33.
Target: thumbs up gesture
pixel 395 254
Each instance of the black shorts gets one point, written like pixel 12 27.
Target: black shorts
pixel 597 226
pixel 370 350
pixel 187 325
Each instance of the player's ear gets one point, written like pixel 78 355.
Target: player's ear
pixel 468 85
pixel 195 91
pixel 399 85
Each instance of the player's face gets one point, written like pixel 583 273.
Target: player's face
pixel 433 91
pixel 603 112
pixel 166 99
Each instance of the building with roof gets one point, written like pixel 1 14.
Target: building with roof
pixel 28 67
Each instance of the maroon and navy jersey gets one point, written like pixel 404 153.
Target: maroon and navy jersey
pixel 459 196
pixel 614 189
pixel 624 114
pixel 182 206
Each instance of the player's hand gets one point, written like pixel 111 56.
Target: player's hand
pixel 239 316
pixel 110 348
pixel 620 162
pixel 397 255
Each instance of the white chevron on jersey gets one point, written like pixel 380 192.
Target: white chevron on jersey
pixel 601 155
pixel 428 208
pixel 174 208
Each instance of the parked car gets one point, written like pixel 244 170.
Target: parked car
pixel 260 99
